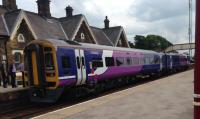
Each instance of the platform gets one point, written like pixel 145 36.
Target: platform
pixel 167 98
pixel 9 93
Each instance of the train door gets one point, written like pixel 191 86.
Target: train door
pixel 81 67
pixel 34 66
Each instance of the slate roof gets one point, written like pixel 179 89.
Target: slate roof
pixel 70 24
pixel 2 9
pixel 101 37
pixel 3 30
pixel 11 18
pixel 60 28
pixel 45 28
pixel 113 33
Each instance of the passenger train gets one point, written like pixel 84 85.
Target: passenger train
pixel 51 66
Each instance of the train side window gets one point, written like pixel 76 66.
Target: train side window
pixel 65 62
pixel 97 63
pixel 109 61
pixel 151 60
pixel 141 60
pixel 146 60
pixel 119 61
pixel 135 60
pixel 128 61
pixel 157 60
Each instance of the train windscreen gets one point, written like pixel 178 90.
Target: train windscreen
pixel 49 63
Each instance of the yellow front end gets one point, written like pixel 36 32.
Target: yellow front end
pixel 41 65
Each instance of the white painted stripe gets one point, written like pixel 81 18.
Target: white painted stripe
pixel 196 95
pixel 91 74
pixel 196 104
pixel 67 77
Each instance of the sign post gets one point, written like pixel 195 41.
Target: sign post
pixel 197 64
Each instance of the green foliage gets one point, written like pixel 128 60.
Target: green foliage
pixel 151 42
pixel 131 44
pixel 140 42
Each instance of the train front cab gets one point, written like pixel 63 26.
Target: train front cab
pixel 42 72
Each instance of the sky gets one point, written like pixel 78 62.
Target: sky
pixel 168 18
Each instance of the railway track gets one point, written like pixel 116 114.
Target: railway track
pixel 29 110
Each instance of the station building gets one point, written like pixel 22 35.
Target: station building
pixel 21 27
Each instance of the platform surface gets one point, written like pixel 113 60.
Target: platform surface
pixel 167 98
pixel 9 93
pixel 9 89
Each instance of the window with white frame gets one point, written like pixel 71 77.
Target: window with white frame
pixel 17 55
pixel 21 38
pixel 120 42
pixel 82 36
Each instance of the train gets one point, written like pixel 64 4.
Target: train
pixel 53 65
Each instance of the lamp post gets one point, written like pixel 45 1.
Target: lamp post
pixel 190 27
pixel 197 64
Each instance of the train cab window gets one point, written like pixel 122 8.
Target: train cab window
pixel 65 62
pixel 97 63
pixel 135 61
pixel 47 49
pixel 109 61
pixel 120 61
pixel 49 65
pixel 128 61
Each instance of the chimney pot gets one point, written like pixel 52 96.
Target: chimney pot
pixel 107 23
pixel 10 4
pixel 44 8
pixel 69 11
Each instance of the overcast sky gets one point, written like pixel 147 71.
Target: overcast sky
pixel 168 18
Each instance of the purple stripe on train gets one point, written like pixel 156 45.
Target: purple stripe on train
pixel 67 82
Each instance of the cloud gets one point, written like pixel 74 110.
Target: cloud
pixel 155 10
pixel 168 18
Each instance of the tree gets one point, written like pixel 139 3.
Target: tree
pixel 151 42
pixel 140 42
pixel 131 44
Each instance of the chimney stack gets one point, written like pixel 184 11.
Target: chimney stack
pixel 69 11
pixel 106 22
pixel 10 4
pixel 44 8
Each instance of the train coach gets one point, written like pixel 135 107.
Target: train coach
pixel 51 66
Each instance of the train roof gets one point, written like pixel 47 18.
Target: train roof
pixel 95 46
pixel 64 43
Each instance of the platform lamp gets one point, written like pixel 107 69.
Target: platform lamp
pixel 197 64
pixel 4 39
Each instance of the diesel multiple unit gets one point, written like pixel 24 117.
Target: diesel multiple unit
pixel 51 66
